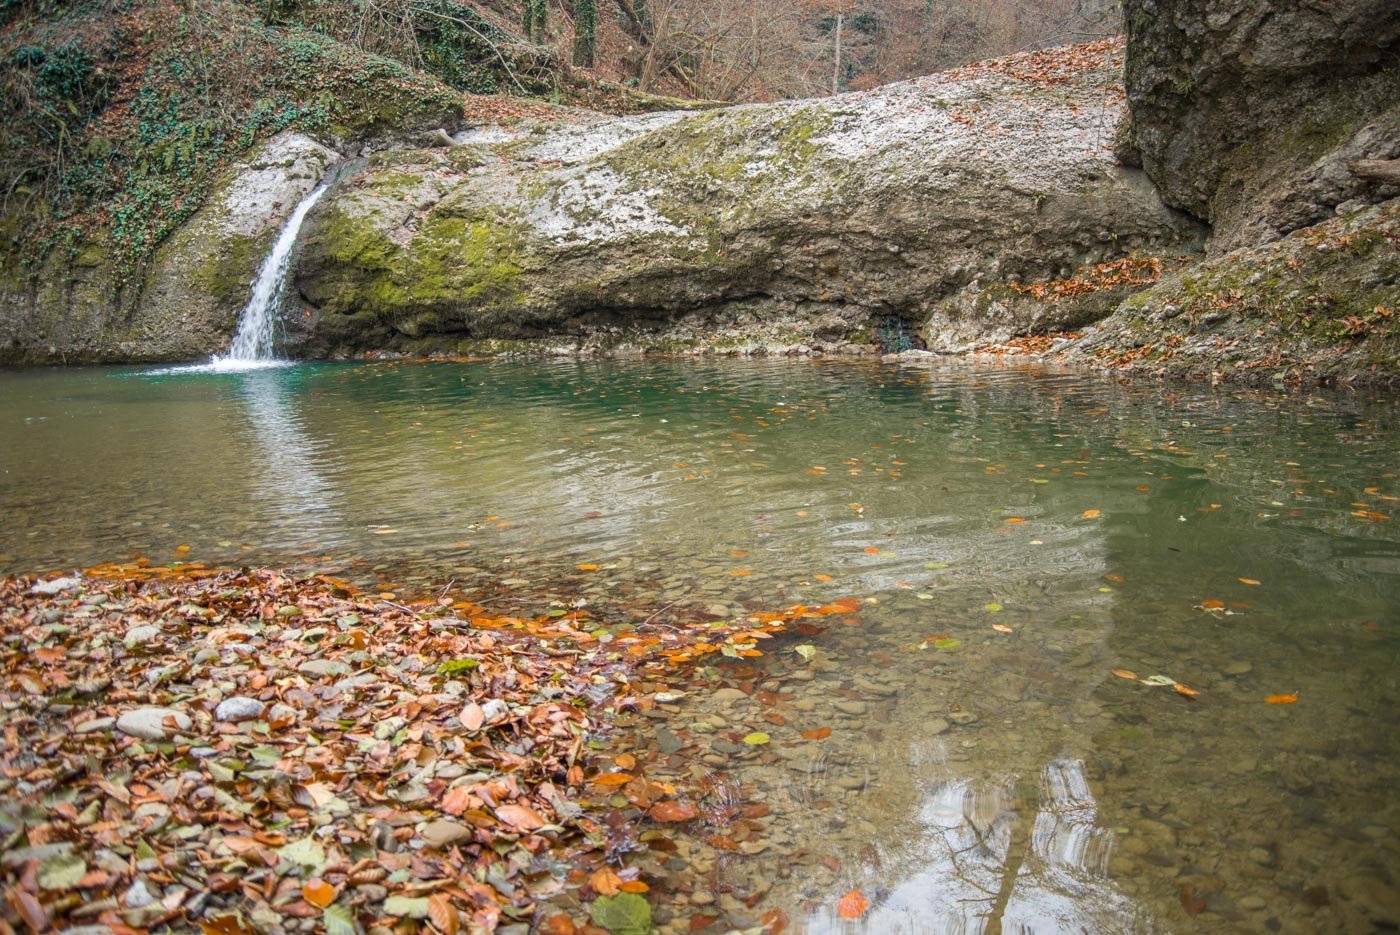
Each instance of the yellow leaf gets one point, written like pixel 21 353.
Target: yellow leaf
pixel 587 567
pixel 1090 514
pixel 1248 581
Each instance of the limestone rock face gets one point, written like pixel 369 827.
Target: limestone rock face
pixel 911 202
pixel 187 304
pixel 1246 112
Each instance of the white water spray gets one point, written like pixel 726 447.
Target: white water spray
pixel 255 344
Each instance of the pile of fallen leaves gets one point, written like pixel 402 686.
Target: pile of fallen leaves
pixel 1048 68
pixel 1128 271
pixel 247 751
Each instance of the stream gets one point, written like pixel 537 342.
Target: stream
pixel 1114 658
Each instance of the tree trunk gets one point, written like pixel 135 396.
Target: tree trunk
pixel 585 32
pixel 1380 170
pixel 836 71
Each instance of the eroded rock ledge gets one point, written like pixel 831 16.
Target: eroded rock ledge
pixel 917 208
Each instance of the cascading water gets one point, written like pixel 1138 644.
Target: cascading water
pixel 255 344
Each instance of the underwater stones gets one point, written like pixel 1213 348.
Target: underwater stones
pixel 1378 899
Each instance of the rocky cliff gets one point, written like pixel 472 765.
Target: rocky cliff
pixel 919 207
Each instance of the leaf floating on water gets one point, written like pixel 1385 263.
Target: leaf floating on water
pixel 816 733
pixel 1184 691
pixel 852 905
pixel 947 642
pixel 806 651
pixel 871 550
pixel 1002 628
pixel 757 738
pixel 672 811
pixel 613 779
pixel 992 608
pixel 1091 514
pixel 587 566
pixel 1248 581
pixel 1158 680
pixel 1125 673
pixel 1290 698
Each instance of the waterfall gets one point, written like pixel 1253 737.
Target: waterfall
pixel 255 344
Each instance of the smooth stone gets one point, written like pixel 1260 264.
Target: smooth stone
pixel 874 688
pixel 149 723
pixel 962 718
pixel 1378 899
pixel 728 696
pixel 239 708
pixel 137 896
pixel 56 586
pixel 936 726
pixel 443 833
pixel 850 707
pixel 323 667
pixel 140 636
pixel 1252 904
pixel 1238 668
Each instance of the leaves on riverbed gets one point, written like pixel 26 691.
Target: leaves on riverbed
pixel 1290 698
pixel 388 757
pixel 623 914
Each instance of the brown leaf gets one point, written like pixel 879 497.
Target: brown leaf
pixel 443 914
pixel 472 716
pixel 672 811
pixel 605 881
pixel 520 816
pixel 1193 902
pixel 816 733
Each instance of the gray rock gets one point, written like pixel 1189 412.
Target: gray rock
pixel 838 211
pixel 495 711
pixel 140 636
pixel 850 707
pixel 150 723
pixel 137 896
pixel 321 668
pixel 1376 898
pixel 936 726
pixel 239 708
pixel 1246 112
pixel 727 696
pixel 55 586
pixel 96 724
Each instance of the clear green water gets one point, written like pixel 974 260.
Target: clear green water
pixel 1003 781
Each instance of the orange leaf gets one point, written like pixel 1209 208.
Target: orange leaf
pixel 1182 690
pixel 701 920
pixel 816 733
pixel 1211 603
pixel 1125 673
pixel 740 572
pixel 1090 514
pixel 871 550
pixel 1002 628
pixel 822 577
pixel 472 716
pixel 774 921
pixel 633 886
pixel 605 881
pixel 318 892
pixel 625 761
pixel 443 914
pixel 1291 698
pixel 738 553
pixel 1248 581
pixel 613 779
pixel 587 566
pixel 672 811
pixel 559 924
pixel 520 816
pixel 852 905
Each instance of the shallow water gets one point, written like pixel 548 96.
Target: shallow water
pixel 1015 537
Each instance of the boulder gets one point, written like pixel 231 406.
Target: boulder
pixel 1248 113
pixel 797 224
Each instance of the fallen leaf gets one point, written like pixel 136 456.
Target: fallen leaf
pixel 1002 628
pixel 852 905
pixel 1290 698
pixel 1182 690
pixel 1090 514
pixel 757 738
pixel 1125 673
pixel 472 716
pixel 816 733
pixel 605 881
pixel 443 914
pixel 672 811
pixel 318 893
pixel 1248 581
pixel 587 566
pixel 520 816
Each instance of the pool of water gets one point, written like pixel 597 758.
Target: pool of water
pixel 1013 538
